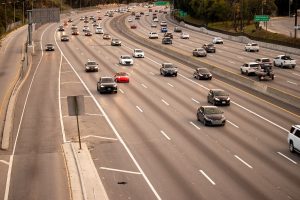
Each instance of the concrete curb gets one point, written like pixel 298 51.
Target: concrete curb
pixel 85 181
pixel 225 74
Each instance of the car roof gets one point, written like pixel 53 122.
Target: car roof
pixel 251 63
pixel 209 107
pixel 217 90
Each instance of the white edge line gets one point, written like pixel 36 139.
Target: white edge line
pixel 207 177
pixel 91 114
pixel 192 123
pixel 100 137
pixel 245 163
pixel 232 124
pixel 287 158
pixel 139 109
pixel 119 170
pixel 162 132
pixel 114 130
pixel 4 162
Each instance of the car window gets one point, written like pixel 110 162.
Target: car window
pixel 92 63
pixel 266 60
pixel 292 130
pixel 297 133
pixel 212 110
pixel 254 65
pixel 168 65
pixel 106 80
pixel 220 93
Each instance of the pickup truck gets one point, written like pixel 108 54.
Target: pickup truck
pixel 284 61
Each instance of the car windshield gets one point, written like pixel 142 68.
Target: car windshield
pixel 121 74
pixel 92 63
pixel 138 51
pixel 168 65
pixel 212 110
pixel 107 80
pixel 254 44
pixel 49 45
pixel 286 58
pixel 265 60
pixel 126 57
pixel 116 40
pixel 254 65
pixel 221 93
pixel 203 70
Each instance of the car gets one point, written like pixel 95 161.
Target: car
pixel 64 38
pixel 129 19
pixel 294 138
pixel 217 40
pixel 106 36
pixel 164 29
pixel 168 69
pixel 249 68
pixel 218 97
pixel 133 26
pixel 153 25
pixel 264 62
pixel 88 33
pixel 155 19
pixel 199 52
pixel 115 42
pixel 138 53
pixel 153 35
pixel 167 40
pixel 168 34
pixel 163 23
pixel 184 35
pixel 86 21
pixel 81 18
pixel 264 72
pixel 99 30
pixel 49 47
pixel 177 29
pixel 137 17
pixel 85 28
pixel 284 61
pixel 95 24
pixel 99 18
pixel 202 73
pixel 107 84
pixel 146 14
pixel 91 66
pixel 252 47
pixel 74 27
pixel 121 77
pixel 126 60
pixel 61 28
pixel 70 20
pixel 211 115
pixel 209 48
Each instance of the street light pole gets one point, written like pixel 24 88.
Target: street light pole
pixel 5 15
pixel 23 12
pixel 296 16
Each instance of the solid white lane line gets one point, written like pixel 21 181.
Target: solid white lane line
pixel 92 114
pixel 192 123
pixel 195 100
pixel 287 158
pixel 164 134
pixel 119 170
pixel 113 128
pixel 139 109
pixel 193 81
pixel 96 136
pixel 4 162
pixel 121 90
pixel 296 74
pixel 207 177
pixel 69 82
pixel 165 102
pixel 292 82
pixel 66 72
pixel 170 84
pixel 144 86
pixel 243 161
pixel 232 123
pixel 59 101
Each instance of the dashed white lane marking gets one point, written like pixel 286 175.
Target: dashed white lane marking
pixel 139 109
pixel 287 158
pixel 164 134
pixel 170 84
pixel 119 170
pixel 207 177
pixel 232 124
pixel 245 163
pixel 144 86
pixel 240 57
pixel 195 100
pixel 296 74
pixel 292 82
pixel 96 136
pixel 92 114
pixel 193 81
pixel 121 91
pixel 70 82
pixel 4 162
pixel 231 62
pixel 197 127
pixel 165 102
pixel 69 71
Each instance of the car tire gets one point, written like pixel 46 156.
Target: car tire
pixel 281 65
pixel 274 64
pixel 242 71
pixel 247 73
pixel 291 147
pixel 198 118
pixel 176 75
pixel 204 122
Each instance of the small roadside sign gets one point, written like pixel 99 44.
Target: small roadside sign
pixel 76 105
pixel 261 18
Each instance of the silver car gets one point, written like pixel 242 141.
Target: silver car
pixel 199 52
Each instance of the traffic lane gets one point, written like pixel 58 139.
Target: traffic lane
pixel 40 160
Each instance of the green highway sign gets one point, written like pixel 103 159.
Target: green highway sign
pixel 261 18
pixel 182 13
pixel 161 3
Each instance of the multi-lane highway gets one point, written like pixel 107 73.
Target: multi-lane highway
pixel 145 140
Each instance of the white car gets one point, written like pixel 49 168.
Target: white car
pixel 153 25
pixel 85 28
pixel 184 35
pixel 284 61
pixel 252 47
pixel 146 14
pixel 126 60
pixel 153 35
pixel 217 40
pixel 155 19
pixel 138 53
pixel 249 68
pixel 294 138
pixel 163 23
pixel 99 30
pixel 129 20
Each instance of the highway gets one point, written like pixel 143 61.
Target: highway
pixel 145 141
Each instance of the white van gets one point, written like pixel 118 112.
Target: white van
pixel 294 138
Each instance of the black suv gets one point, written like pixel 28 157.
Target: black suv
pixel 107 84
pixel 218 97
pixel 209 48
pixel 211 115
pixel 168 34
pixel 167 40
pixel 168 69
pixel 202 73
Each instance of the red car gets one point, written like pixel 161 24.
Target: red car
pixel 133 26
pixel 121 77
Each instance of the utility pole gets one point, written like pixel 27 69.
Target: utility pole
pixel 241 12
pixel 5 15
pixel 296 16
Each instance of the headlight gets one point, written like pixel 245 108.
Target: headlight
pixel 217 99
pixel 102 86
pixel 88 67
pixel 200 74
pixel 228 98
pixel 206 118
